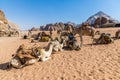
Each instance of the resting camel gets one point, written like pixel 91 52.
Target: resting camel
pixel 3 33
pixel 105 38
pixel 42 37
pixel 58 46
pixel 29 33
pixel 13 33
pixel 68 40
pixel 117 34
pixel 24 56
pixel 45 55
pixel 16 63
pixel 72 42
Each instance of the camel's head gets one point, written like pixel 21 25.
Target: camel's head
pixel 36 51
pixel 43 34
pixel 59 32
pixel 102 34
pixel 53 42
pixel 85 26
pixel 117 34
pixel 21 47
pixel 97 33
pixel 63 41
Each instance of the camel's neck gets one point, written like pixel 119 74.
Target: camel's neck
pixel 63 42
pixel 50 48
pixel 58 35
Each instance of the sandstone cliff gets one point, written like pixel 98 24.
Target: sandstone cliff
pixel 6 24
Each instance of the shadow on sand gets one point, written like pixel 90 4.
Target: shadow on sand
pixel 4 66
pixel 69 49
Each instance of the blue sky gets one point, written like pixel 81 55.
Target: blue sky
pixel 33 13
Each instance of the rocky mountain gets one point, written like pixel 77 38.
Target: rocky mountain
pixel 100 18
pixel 6 24
pixel 56 26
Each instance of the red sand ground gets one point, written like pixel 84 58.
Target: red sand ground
pixel 97 62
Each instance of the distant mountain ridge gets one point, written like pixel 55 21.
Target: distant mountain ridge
pixel 96 20
pixel 56 26
pixel 101 18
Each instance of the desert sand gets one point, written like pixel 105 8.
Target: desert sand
pixel 97 62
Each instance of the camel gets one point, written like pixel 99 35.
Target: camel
pixel 45 55
pixel 72 42
pixel 105 38
pixel 29 33
pixel 13 33
pixel 16 33
pixel 58 46
pixel 45 37
pixel 24 57
pixel 16 63
pixel 9 33
pixel 51 34
pixel 40 53
pixel 59 36
pixel 3 33
pixel 42 37
pixel 117 34
pixel 65 38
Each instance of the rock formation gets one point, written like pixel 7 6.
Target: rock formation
pixel 6 24
pixel 55 26
pixel 100 18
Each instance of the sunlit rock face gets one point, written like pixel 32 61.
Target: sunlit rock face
pixel 100 18
pixel 2 17
pixel 6 24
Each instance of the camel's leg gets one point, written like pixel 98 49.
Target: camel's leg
pixel 93 41
pixel 56 49
pixel 17 33
pixel 92 38
pixel 45 58
pixel 61 49
pixel 81 38
pixel 9 66
pixel 32 61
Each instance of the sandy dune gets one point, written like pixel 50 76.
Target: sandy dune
pixel 97 62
